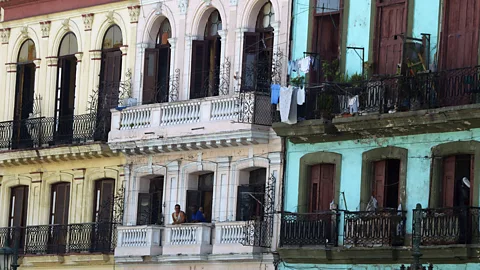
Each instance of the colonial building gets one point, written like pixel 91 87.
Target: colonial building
pixel 66 64
pixel 197 133
pixel 385 168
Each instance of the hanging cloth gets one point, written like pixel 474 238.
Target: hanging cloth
pixel 353 104
pixel 275 93
pixel 301 96
pixel 288 105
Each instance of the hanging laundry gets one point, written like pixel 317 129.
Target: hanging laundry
pixel 353 104
pixel 292 67
pixel 275 93
pixel 288 105
pixel 304 64
pixel 301 96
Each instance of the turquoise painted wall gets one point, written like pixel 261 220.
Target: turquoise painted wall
pixel 418 166
pixel 358 34
pixel 299 43
pixel 287 266
pixel 425 20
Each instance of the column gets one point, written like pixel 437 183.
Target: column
pixel 220 195
pixel 224 78
pixel 278 55
pixel 240 33
pixel 95 66
pixel 10 94
pixel 37 90
pixel 139 68
pixel 124 50
pixel 80 100
pixel 275 169
pixel 51 86
pixel 171 191
pixel 187 69
pixel 173 87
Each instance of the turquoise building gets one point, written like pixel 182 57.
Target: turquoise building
pixel 383 166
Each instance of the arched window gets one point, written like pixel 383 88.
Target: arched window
pixel 258 53
pixel 27 52
pixel 157 67
pixel 110 76
pixel 65 94
pixel 205 77
pixel 113 38
pixel 24 95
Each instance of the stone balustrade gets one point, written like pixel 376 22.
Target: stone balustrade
pixel 139 240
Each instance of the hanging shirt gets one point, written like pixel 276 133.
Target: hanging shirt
pixel 353 104
pixel 304 64
pixel 301 96
pixel 288 105
pixel 275 94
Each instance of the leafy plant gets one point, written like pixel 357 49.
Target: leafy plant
pixel 297 81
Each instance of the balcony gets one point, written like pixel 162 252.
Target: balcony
pixel 47 131
pixel 62 239
pixel 448 226
pixel 309 229
pixel 379 228
pixel 188 239
pixel 390 106
pixel 139 241
pixel 211 122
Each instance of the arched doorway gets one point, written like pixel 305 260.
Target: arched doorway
pixel 110 76
pixel 258 53
pixel 157 67
pixel 24 95
pixel 205 77
pixel 65 90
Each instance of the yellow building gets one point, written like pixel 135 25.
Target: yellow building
pixel 61 187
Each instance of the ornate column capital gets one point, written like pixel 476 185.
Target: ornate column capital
pixel 11 67
pixel 134 12
pixel 52 61
pixel 37 62
pixel 96 55
pixel 45 28
pixel 124 49
pixel 5 35
pixel 141 47
pixel 79 56
pixel 223 34
pixel 183 6
pixel 87 21
pixel 173 42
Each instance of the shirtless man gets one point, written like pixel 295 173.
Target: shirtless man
pixel 178 216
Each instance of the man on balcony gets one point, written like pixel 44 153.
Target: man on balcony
pixel 178 216
pixel 197 216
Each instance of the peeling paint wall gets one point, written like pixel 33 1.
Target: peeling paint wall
pixel 418 166
pixel 426 20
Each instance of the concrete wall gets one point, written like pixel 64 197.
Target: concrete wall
pixel 418 166
pixel 300 24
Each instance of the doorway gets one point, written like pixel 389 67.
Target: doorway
pixel 202 197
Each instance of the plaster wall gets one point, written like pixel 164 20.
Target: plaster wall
pixel 418 166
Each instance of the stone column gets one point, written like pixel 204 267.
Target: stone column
pixel 124 50
pixel 80 100
pixel 223 50
pixel 139 68
pixel 51 85
pixel 95 66
pixel 240 33
pixel 37 89
pixel 171 190
pixel 10 94
pixel 173 94
pixel 187 68
pixel 220 194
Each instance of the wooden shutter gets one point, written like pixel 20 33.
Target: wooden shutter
pixel 144 211
pixel 103 202
pixel 322 187
pixel 60 202
pixel 150 76
pixel 164 74
pixel 378 185
pixel 194 197
pixel 200 63
pixel 391 20
pixel 448 187
pixel 18 206
pixel 251 45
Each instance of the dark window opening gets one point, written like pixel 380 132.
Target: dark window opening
pixel 456 191
pixel 321 188
pixel 157 68
pixel 59 210
pixel 202 197
pixel 18 213
pixel 104 200
pixel 205 77
pixel 251 197
pixel 386 183
pixel 258 53
pixel 150 204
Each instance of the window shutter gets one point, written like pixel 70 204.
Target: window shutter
pixel 194 197
pixel 60 203
pixel 378 185
pixel 18 206
pixel 327 185
pixel 448 187
pixel 144 211
pixel 106 188
pixel 164 74
pixel 150 76
pixel 251 45
pixel 199 68
pixel 314 188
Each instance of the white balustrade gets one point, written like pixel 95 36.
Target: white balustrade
pixel 134 237
pixel 188 239
pixel 230 233
pixel 224 109
pixel 183 236
pixel 180 113
pixel 139 241
pixel 136 117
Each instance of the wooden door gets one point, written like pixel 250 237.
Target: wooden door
pixel 65 99
pixel 150 76
pixel 200 61
pixel 460 34
pixel 448 187
pixel 18 214
pixel 391 20
pixel 326 43
pixel 251 46
pixel 58 234
pixel 322 187
pixel 164 75
pixel 378 185
pixel 103 201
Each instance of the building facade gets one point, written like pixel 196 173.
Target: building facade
pixel 197 132
pixel 66 64
pixel 384 168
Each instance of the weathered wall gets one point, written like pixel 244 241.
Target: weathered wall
pixel 286 266
pixel 418 166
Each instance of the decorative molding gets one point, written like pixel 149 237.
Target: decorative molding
pixel 134 12
pixel 11 67
pixel 45 28
pixel 5 35
pixel 79 56
pixel 110 17
pixel 233 2
pixel 24 32
pixel 96 55
pixel 207 2
pixel 223 34
pixel 183 6
pixel 87 21
pixel 66 25
pixel 141 47
pixel 37 62
pixel 124 49
pixel 172 42
pixel 52 61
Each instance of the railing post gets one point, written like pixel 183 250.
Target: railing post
pixel 205 111
pixel 116 117
pixel 417 237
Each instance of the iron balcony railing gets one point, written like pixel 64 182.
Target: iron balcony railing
pixel 49 131
pixel 61 239
pixel 395 93
pixel 448 226
pixel 374 228
pixel 309 229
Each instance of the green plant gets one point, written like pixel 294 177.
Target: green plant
pixel 297 81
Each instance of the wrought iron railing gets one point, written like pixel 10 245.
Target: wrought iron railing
pixel 256 108
pixel 374 228
pixel 258 233
pixel 448 226
pixel 396 93
pixel 164 91
pixel 62 239
pixel 309 229
pixel 48 131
